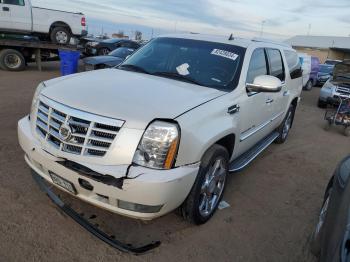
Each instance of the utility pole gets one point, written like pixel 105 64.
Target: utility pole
pixel 309 29
pixel 262 27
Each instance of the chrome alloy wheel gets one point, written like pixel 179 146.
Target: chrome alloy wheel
pixel 287 125
pixel 212 187
pixel 61 37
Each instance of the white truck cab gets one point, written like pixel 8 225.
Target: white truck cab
pixel 20 16
pixel 165 128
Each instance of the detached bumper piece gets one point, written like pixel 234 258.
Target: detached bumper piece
pixel 88 226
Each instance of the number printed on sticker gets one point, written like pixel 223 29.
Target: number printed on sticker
pixel 224 53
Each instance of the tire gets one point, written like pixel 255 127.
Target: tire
pixel 315 243
pixel 347 131
pixel 196 209
pixel 285 126
pixel 103 51
pixel 11 60
pixel 321 104
pixel 328 125
pixel 308 85
pixel 60 35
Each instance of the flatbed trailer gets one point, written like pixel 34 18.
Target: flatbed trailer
pixel 16 53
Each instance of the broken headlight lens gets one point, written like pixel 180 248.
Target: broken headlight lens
pixel 158 146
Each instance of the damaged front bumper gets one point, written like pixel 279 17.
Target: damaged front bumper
pixel 88 226
pixel 143 193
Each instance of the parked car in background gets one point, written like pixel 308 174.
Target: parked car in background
pixel 336 85
pixel 106 46
pixel 163 129
pixel 310 66
pixel 114 58
pixel 332 61
pixel 19 16
pixel 330 241
pixel 324 73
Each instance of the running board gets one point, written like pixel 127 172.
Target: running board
pixel 252 153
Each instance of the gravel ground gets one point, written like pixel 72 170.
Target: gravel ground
pixel 274 201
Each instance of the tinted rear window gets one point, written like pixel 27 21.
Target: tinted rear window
pixel 294 65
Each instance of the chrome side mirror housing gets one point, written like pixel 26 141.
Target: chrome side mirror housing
pixel 265 83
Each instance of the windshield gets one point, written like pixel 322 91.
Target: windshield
pixel 204 63
pixel 326 69
pixel 122 52
pixel 342 72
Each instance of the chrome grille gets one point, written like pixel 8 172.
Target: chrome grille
pixel 345 91
pixel 88 136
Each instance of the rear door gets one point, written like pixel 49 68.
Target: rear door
pixel 5 16
pixel 276 101
pixel 21 16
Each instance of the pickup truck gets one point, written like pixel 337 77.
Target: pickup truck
pixel 166 127
pixel 19 16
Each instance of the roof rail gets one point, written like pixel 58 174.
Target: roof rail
pixel 259 39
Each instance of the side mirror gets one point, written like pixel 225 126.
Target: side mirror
pixel 265 83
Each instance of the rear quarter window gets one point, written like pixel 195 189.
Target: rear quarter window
pixel 294 64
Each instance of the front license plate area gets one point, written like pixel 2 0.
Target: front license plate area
pixel 63 183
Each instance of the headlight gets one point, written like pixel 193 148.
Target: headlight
pixel 35 100
pixel 93 44
pixel 328 85
pixel 158 146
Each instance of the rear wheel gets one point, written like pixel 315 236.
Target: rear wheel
pixel 286 125
pixel 347 131
pixel 321 104
pixel 308 85
pixel 60 35
pixel 208 189
pixel 11 60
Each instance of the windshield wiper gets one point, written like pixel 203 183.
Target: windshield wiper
pixel 134 68
pixel 343 76
pixel 174 75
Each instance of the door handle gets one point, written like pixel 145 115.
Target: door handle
pixel 233 109
pixel 6 9
pixel 269 101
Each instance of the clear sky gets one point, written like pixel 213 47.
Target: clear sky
pixel 281 18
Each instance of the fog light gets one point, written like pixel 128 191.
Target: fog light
pixel 138 207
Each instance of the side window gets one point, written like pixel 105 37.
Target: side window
pixel 276 63
pixel 257 65
pixel 294 65
pixel 13 2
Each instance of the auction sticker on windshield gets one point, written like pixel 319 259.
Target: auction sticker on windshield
pixel 224 53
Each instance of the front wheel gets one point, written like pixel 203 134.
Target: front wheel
pixel 208 189
pixel 286 125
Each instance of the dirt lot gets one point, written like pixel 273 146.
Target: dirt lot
pixel 274 202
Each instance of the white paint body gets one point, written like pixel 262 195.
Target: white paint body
pixel 30 19
pixel 138 99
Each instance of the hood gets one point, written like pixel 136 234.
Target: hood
pixel 108 60
pixel 341 73
pixel 134 97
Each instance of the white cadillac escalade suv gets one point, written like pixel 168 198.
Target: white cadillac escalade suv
pixel 164 129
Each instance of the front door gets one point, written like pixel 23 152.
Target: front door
pixel 5 16
pixel 21 16
pixel 253 113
